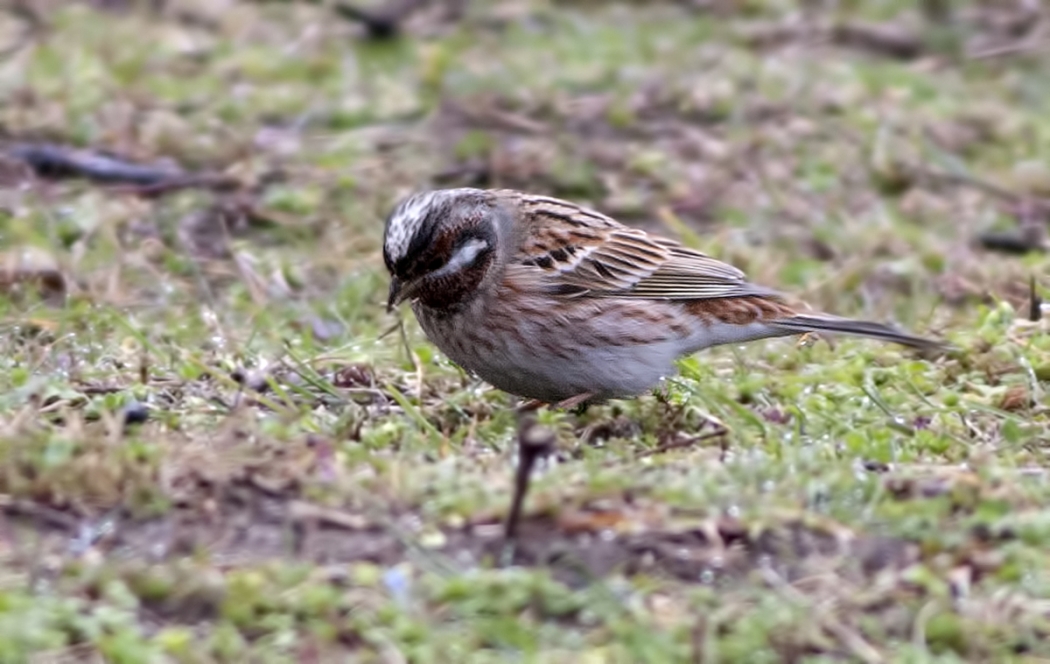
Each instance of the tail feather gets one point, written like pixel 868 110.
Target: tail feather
pixel 803 323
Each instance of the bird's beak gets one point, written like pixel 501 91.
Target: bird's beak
pixel 395 294
pixel 400 291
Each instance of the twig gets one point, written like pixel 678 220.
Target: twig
pixel 57 161
pixel 49 515
pixel 885 39
pixel 680 443
pixel 1014 242
pixel 534 442
pixel 1035 302
pixel 382 23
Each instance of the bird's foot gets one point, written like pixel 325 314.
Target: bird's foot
pixel 565 404
pixel 811 338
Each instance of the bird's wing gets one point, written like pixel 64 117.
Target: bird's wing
pixel 573 251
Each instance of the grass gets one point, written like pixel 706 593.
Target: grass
pixel 217 446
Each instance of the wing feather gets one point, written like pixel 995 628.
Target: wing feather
pixel 597 256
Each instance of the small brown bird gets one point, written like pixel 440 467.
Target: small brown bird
pixel 558 303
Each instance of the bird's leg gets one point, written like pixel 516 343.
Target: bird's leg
pixel 810 338
pixel 530 406
pixel 575 402
pixel 566 404
pixel 534 442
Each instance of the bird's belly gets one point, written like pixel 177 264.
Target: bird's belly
pixel 554 361
pixel 605 373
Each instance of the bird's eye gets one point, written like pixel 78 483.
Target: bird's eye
pixel 435 263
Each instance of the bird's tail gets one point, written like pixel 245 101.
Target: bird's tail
pixel 802 323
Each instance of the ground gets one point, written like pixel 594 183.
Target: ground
pixel 218 446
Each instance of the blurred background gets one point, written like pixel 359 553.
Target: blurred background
pixel 218 447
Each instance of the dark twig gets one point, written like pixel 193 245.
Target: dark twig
pixel 381 23
pixel 1022 241
pixel 534 442
pixel 681 443
pixel 1035 302
pixel 42 513
pixel 48 160
pixel 55 161
pixel 885 39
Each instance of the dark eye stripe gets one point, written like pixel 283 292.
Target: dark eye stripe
pixel 421 242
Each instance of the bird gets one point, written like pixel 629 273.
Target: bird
pixel 560 304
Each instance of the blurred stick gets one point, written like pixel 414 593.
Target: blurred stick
pixel 534 442
pixel 884 39
pixel 383 23
pixel 1035 303
pixel 1022 241
pixel 380 23
pixel 52 161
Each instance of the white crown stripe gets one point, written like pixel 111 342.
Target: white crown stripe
pixel 410 214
